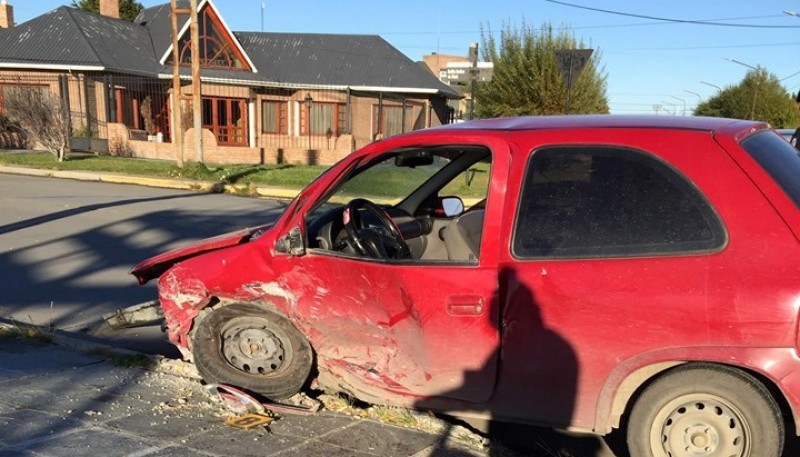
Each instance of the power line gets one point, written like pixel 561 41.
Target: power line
pixel 680 21
pixel 790 76
pixel 730 46
pixel 582 27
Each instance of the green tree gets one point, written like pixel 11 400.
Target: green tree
pixel 759 96
pixel 128 9
pixel 527 79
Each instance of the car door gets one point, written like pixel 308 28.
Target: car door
pixel 628 247
pixel 403 330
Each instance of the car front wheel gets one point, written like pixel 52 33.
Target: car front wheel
pixel 705 410
pixel 254 348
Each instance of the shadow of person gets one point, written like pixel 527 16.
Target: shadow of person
pixel 535 374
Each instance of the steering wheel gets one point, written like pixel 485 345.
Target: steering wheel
pixel 384 242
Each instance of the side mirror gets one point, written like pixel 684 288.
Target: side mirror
pixel 291 243
pixel 452 206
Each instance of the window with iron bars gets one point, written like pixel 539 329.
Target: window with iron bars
pixel 326 118
pixel 274 117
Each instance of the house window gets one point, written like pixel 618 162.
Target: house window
pixel 217 49
pixel 273 117
pixel 227 119
pixel 393 122
pixel 326 118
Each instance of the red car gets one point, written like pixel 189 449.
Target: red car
pixel 585 272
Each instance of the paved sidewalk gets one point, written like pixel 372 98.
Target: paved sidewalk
pixel 165 183
pixel 57 401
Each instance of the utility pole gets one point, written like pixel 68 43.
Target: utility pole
pixel 197 103
pixel 473 77
pixel 177 117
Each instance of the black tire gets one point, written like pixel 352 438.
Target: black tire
pixel 254 348
pixel 706 410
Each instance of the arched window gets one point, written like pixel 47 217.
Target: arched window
pixel 217 49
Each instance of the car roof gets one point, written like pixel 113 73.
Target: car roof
pixel 713 124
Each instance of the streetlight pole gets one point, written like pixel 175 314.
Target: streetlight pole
pixel 683 111
pixel 699 98
pixel 719 89
pixel 674 111
pixel 755 89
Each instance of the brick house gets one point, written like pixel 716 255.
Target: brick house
pixel 266 97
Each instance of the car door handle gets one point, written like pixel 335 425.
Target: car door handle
pixel 465 305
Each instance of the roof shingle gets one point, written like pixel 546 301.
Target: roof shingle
pixel 70 37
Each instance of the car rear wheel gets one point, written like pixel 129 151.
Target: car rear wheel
pixel 705 410
pixel 254 348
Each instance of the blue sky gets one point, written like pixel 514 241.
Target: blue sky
pixel 648 62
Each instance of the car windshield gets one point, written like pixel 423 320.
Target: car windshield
pixel 779 159
pixel 387 180
pixel 393 206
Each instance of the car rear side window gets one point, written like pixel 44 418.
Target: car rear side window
pixel 610 202
pixel 779 159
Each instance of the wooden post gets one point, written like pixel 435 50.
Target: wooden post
pixel 197 102
pixel 177 117
pixel 67 112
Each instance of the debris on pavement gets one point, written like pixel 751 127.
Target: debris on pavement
pixel 235 399
pixel 250 420
pixel 147 313
pixel 177 367
pixel 241 402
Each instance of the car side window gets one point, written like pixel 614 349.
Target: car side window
pixel 602 201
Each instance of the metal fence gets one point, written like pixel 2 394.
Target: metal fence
pixel 76 95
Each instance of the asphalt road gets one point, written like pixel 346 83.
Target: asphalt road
pixel 66 248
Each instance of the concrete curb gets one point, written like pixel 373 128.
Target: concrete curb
pixel 79 342
pixel 270 192
pixel 96 347
pixel 26 171
pixel 165 183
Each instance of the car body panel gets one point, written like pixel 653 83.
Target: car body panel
pixel 579 306
pixel 554 341
pixel 775 195
pixel 155 266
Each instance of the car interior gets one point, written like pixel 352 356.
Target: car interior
pixel 413 204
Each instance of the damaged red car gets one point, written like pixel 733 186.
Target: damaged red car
pixel 584 272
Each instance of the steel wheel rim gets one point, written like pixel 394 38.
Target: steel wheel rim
pixel 254 345
pixel 700 425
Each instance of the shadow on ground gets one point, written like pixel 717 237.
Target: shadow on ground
pixel 66 268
